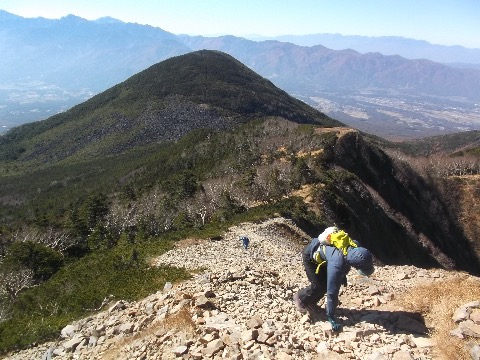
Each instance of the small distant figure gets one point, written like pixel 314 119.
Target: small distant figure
pixel 245 241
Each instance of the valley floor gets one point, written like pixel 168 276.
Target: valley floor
pixel 397 117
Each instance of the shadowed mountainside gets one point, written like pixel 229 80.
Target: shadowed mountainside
pixel 399 204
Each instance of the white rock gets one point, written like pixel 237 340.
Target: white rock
pixel 68 331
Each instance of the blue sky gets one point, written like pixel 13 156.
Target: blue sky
pixel 446 22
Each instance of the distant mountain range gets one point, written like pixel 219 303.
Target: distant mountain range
pixel 55 64
pixel 305 70
pixel 387 45
pixel 76 53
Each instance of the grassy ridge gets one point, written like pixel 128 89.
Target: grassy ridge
pixel 201 153
pixel 463 143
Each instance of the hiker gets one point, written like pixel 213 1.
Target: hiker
pixel 327 260
pixel 245 241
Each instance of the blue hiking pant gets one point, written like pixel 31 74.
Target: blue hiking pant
pixel 318 282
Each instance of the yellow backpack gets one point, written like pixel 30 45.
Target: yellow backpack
pixel 340 240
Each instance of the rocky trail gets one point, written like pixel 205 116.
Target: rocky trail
pixel 238 305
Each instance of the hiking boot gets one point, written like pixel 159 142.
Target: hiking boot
pixel 298 303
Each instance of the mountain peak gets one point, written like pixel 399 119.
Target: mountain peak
pixel 6 16
pixel 73 18
pixel 205 89
pixel 219 79
pixel 108 20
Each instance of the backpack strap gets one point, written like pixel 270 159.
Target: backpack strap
pixel 318 259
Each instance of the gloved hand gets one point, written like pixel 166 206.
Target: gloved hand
pixel 344 281
pixel 335 325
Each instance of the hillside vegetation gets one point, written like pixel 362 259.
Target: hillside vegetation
pixel 460 144
pixel 188 148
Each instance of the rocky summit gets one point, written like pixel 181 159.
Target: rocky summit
pixel 238 305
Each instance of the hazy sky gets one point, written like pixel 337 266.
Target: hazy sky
pixel 446 22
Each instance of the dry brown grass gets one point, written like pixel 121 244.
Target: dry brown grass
pixel 189 242
pixel 339 130
pixel 469 208
pixel 305 192
pixel 180 323
pixel 437 302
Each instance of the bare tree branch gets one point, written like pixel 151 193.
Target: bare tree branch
pixel 12 282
